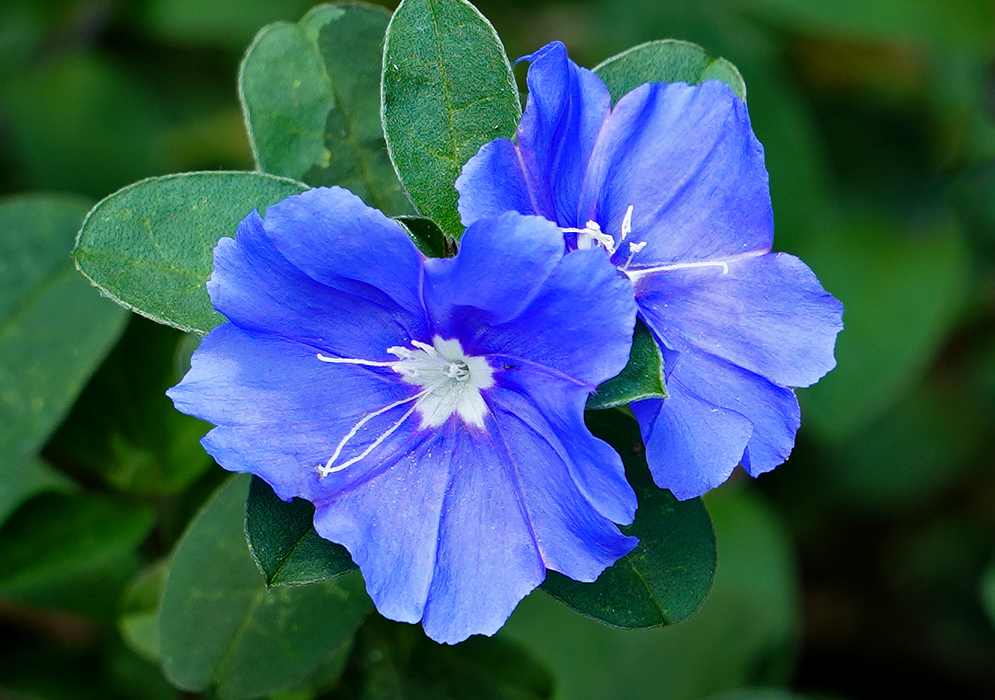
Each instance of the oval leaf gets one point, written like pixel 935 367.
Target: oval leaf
pixel 284 544
pixel 641 378
pixel 219 625
pixel 666 577
pixel 447 90
pixel 310 94
pixel 54 330
pixel 150 246
pixel 427 236
pixel 667 61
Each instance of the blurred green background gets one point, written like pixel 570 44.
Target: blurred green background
pixel 862 568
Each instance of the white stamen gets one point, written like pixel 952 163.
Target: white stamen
pixel 351 361
pixel 627 227
pixel 450 382
pixel 592 235
pixel 635 275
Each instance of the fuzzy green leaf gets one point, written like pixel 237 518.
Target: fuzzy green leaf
pixel 150 246
pixel 310 94
pixel 447 90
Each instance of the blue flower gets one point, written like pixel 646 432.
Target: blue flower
pixel 431 409
pixel 671 184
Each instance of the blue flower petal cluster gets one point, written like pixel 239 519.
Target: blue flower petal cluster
pixel 431 409
pixel 671 184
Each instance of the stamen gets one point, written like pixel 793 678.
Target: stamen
pixel 449 382
pixel 637 274
pixel 627 227
pixel 327 469
pixel 351 361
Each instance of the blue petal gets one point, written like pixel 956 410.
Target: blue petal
pixel 565 110
pixel 487 559
pixel 710 398
pixel 687 162
pixel 484 513
pixel 494 181
pixel 280 412
pixel 766 313
pixel 331 235
pixel 572 536
pixel 595 467
pixel 691 445
pixel 502 264
pixel 258 289
pixel 579 325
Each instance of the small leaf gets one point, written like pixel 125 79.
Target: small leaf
pixel 399 661
pixel 54 330
pixel 310 93
pixel 666 577
pixel 427 236
pixel 139 619
pixel 283 542
pixel 667 61
pixel 150 246
pixel 447 90
pixel 219 625
pixel 641 378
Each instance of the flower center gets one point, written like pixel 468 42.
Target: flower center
pixel 591 236
pixel 450 381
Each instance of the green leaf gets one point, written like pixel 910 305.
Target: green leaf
pixel 427 236
pixel 901 291
pixel 139 619
pixel 310 93
pixel 667 576
pixel 54 330
pixel 667 61
pixel 150 246
pixel 447 90
pixel 219 624
pixel 124 429
pixel 283 542
pixel 743 634
pixel 641 378
pixel 20 480
pixel 58 550
pixel 399 661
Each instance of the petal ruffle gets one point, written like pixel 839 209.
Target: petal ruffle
pixel 573 537
pixel 580 325
pixel 331 235
pixel 594 466
pixel 494 181
pixel 686 160
pixel 280 412
pixel 258 289
pixel 453 285
pixel 766 313
pixel 717 416
pixel 565 110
